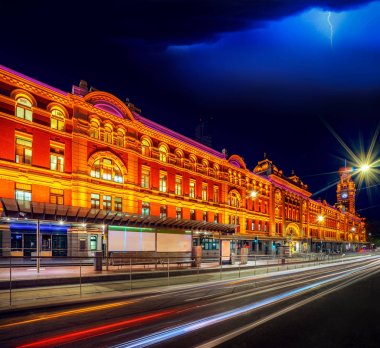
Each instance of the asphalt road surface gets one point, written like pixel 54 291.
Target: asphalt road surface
pixel 323 306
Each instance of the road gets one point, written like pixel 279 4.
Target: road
pixel 227 313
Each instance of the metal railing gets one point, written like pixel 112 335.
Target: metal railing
pixel 72 278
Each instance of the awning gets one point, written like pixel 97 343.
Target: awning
pixel 13 208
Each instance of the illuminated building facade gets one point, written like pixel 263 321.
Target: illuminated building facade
pixel 89 149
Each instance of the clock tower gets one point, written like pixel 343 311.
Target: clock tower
pixel 346 190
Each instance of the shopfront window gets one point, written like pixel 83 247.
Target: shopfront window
pixel 93 243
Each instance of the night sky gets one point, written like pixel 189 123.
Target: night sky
pixel 268 76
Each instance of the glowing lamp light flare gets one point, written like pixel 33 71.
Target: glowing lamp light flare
pixel 364 168
pixel 320 218
pixel 253 194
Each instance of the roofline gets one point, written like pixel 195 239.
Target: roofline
pixel 32 80
pixel 164 130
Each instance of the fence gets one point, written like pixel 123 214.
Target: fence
pixel 71 278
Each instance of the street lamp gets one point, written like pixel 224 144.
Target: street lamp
pixel 320 219
pixel 364 167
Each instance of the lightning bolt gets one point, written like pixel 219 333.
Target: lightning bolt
pixel 331 28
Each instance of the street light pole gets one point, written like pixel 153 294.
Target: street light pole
pixel 38 245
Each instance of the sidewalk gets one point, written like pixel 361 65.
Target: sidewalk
pixel 27 276
pixel 85 289
pixel 23 275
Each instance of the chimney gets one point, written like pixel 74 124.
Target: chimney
pixel 81 90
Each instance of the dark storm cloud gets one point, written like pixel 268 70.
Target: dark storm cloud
pixel 189 22
pixel 161 23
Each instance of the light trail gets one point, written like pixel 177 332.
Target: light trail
pixel 118 326
pixel 199 324
pixel 67 313
pixel 100 330
pixel 246 328
pixel 331 28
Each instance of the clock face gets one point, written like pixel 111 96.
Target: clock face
pixel 344 195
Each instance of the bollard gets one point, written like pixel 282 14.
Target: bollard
pixel 80 277
pixel 221 265
pixel 130 273
pixel 168 273
pixel 10 281
pixel 98 261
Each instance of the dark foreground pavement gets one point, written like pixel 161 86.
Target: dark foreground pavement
pixel 346 318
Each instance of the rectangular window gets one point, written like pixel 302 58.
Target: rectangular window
pixel 57 123
pixel 107 202
pixel 93 243
pixel 23 150
pixel 204 192
pixel 145 208
pixel 23 110
pixel 118 204
pixel 23 192
pixel 56 196
pixel 253 225
pixel 216 194
pixel 192 189
pixel 163 181
pixel 216 218
pixel 95 201
pixel 57 157
pixel 205 216
pixel 178 213
pixel 145 177
pixel 163 213
pixel 178 185
pixel 82 244
pixel 192 214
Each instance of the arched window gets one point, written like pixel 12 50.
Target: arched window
pixel 193 162
pixel 179 157
pixel 145 147
pixel 57 120
pixel 106 169
pixel 233 200
pixel 163 153
pixel 108 134
pixel 120 138
pixel 24 108
pixel 94 129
